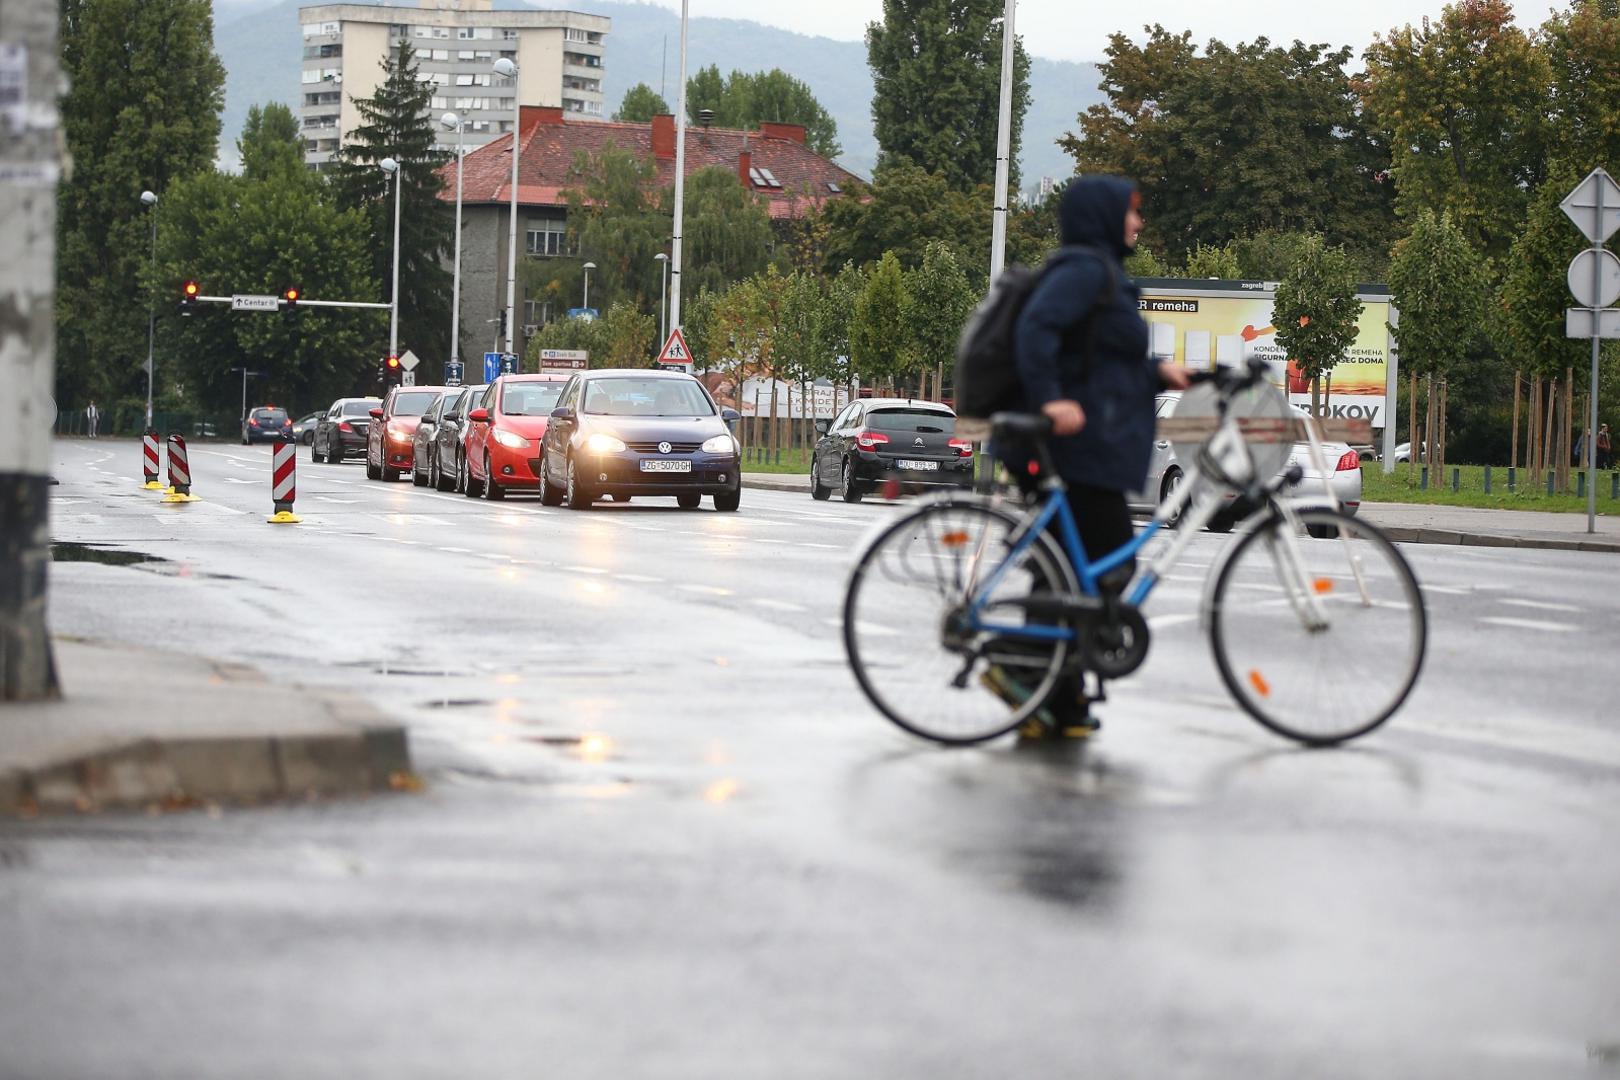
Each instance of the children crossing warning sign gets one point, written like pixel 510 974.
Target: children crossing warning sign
pixel 675 353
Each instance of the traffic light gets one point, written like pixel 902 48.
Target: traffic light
pixel 393 369
pixel 189 291
pixel 289 298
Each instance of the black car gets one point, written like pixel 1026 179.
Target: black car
pixel 637 432
pixel 342 431
pixel 304 430
pixel 266 423
pixel 422 441
pixel 445 471
pixel 875 441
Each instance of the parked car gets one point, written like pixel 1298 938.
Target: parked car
pixel 266 423
pixel 1165 473
pixel 388 441
pixel 875 441
pixel 426 432
pixel 445 472
pixel 506 430
pixel 342 431
pixel 1403 452
pixel 636 432
pixel 304 429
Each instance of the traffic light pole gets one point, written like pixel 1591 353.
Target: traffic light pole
pixel 302 303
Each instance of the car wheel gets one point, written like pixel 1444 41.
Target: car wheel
pixel 314 454
pixel 549 496
pixel 851 487
pixel 1172 483
pixel 728 500
pixel 688 500
pixel 575 494
pixel 818 490
pixel 373 472
pixel 493 492
pixel 419 479
pixel 1222 522
pixel 470 487
pixel 388 475
pixel 1322 532
pixel 458 483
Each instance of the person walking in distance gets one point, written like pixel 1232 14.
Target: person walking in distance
pixel 1081 349
pixel 91 416
pixel 1605 449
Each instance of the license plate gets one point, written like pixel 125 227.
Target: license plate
pixel 665 465
pixel 924 466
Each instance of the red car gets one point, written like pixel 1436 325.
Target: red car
pixel 393 427
pixel 503 436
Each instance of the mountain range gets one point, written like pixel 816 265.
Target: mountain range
pixel 260 44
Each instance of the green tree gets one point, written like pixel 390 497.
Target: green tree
pixel 727 231
pixel 1315 312
pixel 904 210
pixel 1582 46
pixel 745 100
pixel 1208 261
pixel 939 298
pixel 879 344
pixel 616 219
pixel 936 87
pixel 144 94
pixel 622 337
pixel 1032 229
pixel 1267 255
pixel 1238 139
pixel 1143 263
pixel 1441 290
pixel 1462 101
pixel 396 122
pixel 274 226
pixel 641 103
pixel 844 291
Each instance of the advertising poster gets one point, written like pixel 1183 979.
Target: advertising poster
pixel 1201 323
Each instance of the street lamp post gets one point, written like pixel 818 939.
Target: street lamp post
pixel 451 120
pixel 680 182
pixel 507 69
pixel 391 167
pixel 245 373
pixel 663 309
pixel 586 303
pixel 150 199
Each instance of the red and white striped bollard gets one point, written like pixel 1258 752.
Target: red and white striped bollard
pixel 149 460
pixel 179 472
pixel 283 482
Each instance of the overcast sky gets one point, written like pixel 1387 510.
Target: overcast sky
pixel 1071 30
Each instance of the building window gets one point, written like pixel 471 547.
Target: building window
pixel 509 35
pixel 536 312
pixel 546 238
pixel 572 34
pixel 464 80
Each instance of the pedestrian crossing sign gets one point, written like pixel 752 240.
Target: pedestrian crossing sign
pixel 675 352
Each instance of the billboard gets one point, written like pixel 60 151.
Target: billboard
pixel 1200 323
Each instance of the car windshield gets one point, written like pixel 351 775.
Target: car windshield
pixel 360 408
pixel 415 403
pixel 271 416
pixel 529 398
pixel 922 421
pixel 646 397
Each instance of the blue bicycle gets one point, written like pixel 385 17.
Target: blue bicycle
pixel 1320 640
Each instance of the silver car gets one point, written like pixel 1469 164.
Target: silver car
pixel 1165 473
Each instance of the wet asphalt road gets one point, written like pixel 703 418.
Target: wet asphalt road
pixel 663 835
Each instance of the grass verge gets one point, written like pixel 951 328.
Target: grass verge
pixel 1404 486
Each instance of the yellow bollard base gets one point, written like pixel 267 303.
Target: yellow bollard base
pixel 152 485
pixel 283 517
pixel 175 497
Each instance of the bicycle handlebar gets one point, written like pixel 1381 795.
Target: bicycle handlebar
pixel 1232 379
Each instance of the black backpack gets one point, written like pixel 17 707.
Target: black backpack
pixel 986 376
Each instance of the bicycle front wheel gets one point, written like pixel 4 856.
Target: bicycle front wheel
pixel 916 650
pixel 1320 640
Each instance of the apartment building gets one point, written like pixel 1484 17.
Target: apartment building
pixel 558 53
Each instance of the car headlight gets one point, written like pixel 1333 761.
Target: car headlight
pixel 510 440
pixel 720 444
pixel 603 443
pixel 399 436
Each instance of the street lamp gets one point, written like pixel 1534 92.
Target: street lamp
pixel 680 181
pixel 150 199
pixel 586 303
pixel 458 125
pixel 391 167
pixel 506 69
pixel 663 284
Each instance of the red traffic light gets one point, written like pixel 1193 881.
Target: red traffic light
pixel 291 294
pixel 393 362
pixel 190 290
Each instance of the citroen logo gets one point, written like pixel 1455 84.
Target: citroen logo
pixel 918 441
pixel 663 448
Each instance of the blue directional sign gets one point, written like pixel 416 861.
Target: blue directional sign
pixel 453 371
pixel 586 313
pixel 492 366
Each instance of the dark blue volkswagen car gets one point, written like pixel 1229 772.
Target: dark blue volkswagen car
pixel 629 432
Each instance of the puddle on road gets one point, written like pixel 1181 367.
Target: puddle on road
pixel 68 552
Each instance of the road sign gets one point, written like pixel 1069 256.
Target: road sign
pixel 1585 322
pixel 1594 278
pixel 453 370
pixel 509 363
pixel 675 350
pixel 245 302
pixel 407 378
pixel 587 313
pixel 409 360
pixel 492 366
pixel 1582 205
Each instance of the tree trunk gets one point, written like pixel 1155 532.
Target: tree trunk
pixel 1441 424
pixel 1569 428
pixel 1513 452
pixel 1428 423
pixel 1316 396
pixel 27 362
pixel 1411 423
pixel 1550 408
pixel 1532 435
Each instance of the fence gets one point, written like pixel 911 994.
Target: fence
pixel 131 422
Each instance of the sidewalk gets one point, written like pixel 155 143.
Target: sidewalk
pixel 142 728
pixel 1408 522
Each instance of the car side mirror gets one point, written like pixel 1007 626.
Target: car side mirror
pixel 478 416
pixel 562 412
pixel 376 414
pixel 730 416
pixel 450 418
pixel 821 427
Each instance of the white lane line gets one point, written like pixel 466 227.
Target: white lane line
pixel 1539 605
pixel 584 569
pixel 456 551
pixel 706 590
pixel 1528 624
pixel 495 556
pixel 824 547
pixel 1447 590
pixel 238 480
pixel 777 605
pixel 640 579
pixel 345 502
pixel 864 627
pixel 1163 622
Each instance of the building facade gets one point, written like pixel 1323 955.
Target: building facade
pixel 558 53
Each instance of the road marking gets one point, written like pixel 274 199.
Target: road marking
pixel 237 480
pixel 640 579
pixel 345 502
pixel 1447 590
pixel 584 569
pixel 778 605
pixel 863 627
pixel 706 590
pixel 1539 605
pixel 825 547
pixel 456 551
pixel 1528 624
pixel 1163 622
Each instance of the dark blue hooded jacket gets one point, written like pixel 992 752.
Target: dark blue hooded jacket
pixel 1116 384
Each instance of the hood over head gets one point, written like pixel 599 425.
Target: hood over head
pixel 1093 212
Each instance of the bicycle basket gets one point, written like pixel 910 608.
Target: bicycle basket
pixel 1264 414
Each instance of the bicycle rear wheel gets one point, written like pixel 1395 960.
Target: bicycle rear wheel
pixel 909 642
pixel 1319 640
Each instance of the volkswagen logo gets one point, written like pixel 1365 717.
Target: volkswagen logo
pixel 664 448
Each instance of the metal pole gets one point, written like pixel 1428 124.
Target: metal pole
pixel 455 287
pixel 151 323
pixel 1597 341
pixel 393 310
pixel 998 209
pixel 680 183
pixel 586 302
pixel 663 306
pixel 512 227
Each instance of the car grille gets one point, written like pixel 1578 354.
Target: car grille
pixel 674 447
